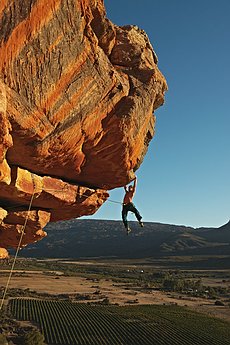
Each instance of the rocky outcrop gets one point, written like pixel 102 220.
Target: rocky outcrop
pixel 77 96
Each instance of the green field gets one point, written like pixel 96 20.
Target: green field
pixel 67 323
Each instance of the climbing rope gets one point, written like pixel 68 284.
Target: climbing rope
pixel 23 232
pixel 24 227
pixel 18 248
pixel 61 191
pixel 115 202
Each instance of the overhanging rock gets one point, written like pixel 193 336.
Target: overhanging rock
pixel 77 102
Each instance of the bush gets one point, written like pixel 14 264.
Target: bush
pixel 219 303
pixel 34 337
pixel 3 340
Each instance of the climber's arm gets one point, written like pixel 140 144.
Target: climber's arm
pixel 135 184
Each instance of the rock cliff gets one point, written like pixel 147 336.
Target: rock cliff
pixel 77 96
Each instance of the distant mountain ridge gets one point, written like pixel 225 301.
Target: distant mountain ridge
pixel 79 238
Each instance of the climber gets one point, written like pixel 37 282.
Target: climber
pixel 129 206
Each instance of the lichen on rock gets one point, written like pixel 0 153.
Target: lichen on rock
pixel 77 97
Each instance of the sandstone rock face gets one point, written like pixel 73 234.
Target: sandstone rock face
pixel 77 96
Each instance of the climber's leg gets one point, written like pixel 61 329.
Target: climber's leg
pixel 124 215
pixel 133 209
pixel 125 210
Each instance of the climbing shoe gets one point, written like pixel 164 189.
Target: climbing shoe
pixel 128 230
pixel 141 224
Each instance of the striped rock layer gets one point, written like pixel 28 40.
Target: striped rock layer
pixel 77 101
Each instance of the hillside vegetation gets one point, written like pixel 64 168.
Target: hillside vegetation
pixel 94 238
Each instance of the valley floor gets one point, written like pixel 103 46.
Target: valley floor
pixel 93 289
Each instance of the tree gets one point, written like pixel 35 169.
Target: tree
pixel 34 337
pixel 212 292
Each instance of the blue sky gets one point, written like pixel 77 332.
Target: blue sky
pixel 185 177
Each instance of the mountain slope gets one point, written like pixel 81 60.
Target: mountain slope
pixel 89 238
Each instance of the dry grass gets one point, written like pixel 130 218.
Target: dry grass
pixel 122 294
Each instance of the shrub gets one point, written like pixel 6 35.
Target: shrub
pixel 219 303
pixel 34 337
pixel 3 340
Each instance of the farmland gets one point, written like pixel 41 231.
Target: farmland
pixel 67 323
pixel 113 302
pixel 122 282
